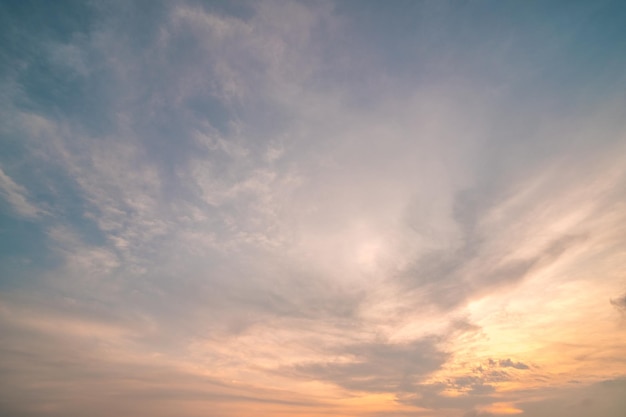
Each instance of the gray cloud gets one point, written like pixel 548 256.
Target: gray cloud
pixel 432 396
pixel 380 367
pixel 402 368
pixel 474 413
pixel 508 363
pixel 442 277
pixel 604 398
pixel 619 303
pixel 476 388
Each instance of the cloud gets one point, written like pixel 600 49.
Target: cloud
pixel 17 196
pixel 602 398
pixel 285 207
pixel 619 303
pixel 474 413
pixel 477 389
pixel 434 396
pixel 449 277
pixel 380 367
pixel 68 342
pixel 508 363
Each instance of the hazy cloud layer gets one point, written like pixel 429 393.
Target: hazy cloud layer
pixel 284 207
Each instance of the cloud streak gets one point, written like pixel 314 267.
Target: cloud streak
pixel 17 196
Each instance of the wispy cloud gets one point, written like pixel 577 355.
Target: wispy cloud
pixel 17 197
pixel 311 208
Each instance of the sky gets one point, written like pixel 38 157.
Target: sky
pixel 312 208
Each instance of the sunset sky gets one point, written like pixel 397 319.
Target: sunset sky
pixel 312 208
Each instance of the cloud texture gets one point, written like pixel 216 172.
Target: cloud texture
pixel 312 208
